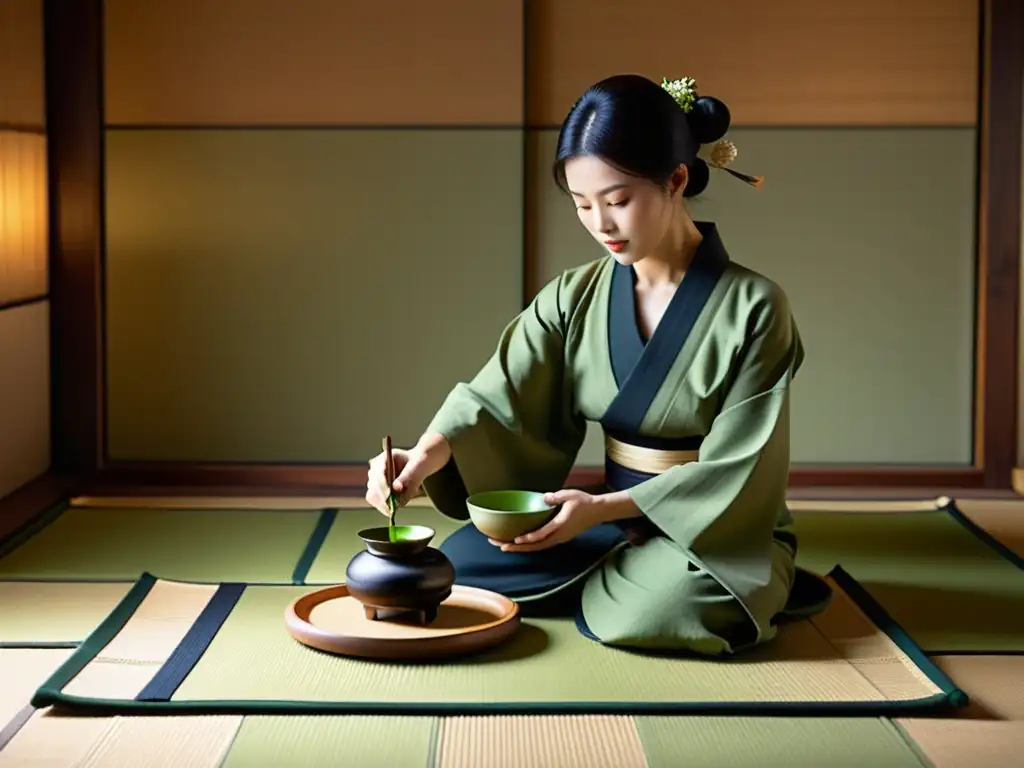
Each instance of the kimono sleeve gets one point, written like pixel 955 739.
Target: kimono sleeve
pixel 513 426
pixel 724 507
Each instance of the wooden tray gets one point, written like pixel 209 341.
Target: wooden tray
pixel 469 621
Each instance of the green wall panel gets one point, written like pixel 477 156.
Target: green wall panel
pixel 871 234
pixel 294 295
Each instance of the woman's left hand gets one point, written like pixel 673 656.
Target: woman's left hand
pixel 579 512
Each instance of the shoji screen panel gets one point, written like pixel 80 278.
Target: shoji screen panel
pixel 24 281
pixel 24 217
pixel 23 204
pixel 24 394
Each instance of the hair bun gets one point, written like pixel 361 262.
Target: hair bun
pixel 697 178
pixel 709 119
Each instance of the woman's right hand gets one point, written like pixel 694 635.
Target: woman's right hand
pixel 412 467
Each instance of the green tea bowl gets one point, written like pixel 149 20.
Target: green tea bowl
pixel 503 515
pixel 402 540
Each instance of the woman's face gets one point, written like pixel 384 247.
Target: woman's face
pixel 628 215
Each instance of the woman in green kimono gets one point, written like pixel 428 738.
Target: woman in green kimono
pixel 685 359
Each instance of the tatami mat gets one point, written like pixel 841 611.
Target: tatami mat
pixel 333 741
pixel 1003 519
pixel 995 685
pixel 567 741
pixel 962 744
pixel 989 733
pixel 34 613
pixel 164 648
pixel 194 544
pixel 556 741
pixel 52 740
pixel 712 742
pixel 22 671
pixel 949 589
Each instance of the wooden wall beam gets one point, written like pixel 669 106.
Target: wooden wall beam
pixel 333 479
pixel 74 116
pixel 999 239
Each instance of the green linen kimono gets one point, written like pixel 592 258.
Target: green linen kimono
pixel 715 374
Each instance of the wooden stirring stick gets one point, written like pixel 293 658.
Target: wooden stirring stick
pixel 389 474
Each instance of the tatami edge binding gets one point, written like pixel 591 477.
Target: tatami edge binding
pixel 33 526
pixel 982 535
pixel 946 504
pixel 66 580
pixel 882 619
pixel 51 692
pixel 314 545
pixel 41 645
pixel 23 506
pixel 193 645
pixel 886 505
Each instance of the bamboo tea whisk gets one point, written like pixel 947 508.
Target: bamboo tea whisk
pixel 389 475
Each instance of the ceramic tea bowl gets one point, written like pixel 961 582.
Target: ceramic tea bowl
pixel 402 540
pixel 503 515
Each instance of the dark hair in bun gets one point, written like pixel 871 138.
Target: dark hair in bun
pixel 644 129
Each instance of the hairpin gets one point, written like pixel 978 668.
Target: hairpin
pixel 719 153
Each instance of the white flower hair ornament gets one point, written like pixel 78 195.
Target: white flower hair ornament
pixel 709 120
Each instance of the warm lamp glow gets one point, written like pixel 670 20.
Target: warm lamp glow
pixel 24 220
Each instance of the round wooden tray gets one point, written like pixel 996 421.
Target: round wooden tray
pixel 470 620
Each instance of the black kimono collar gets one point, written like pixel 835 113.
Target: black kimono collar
pixel 640 369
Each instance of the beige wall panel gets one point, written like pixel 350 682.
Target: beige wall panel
pixel 314 61
pixel 296 295
pixel 23 216
pixel 871 234
pixel 790 62
pixel 24 394
pixel 22 90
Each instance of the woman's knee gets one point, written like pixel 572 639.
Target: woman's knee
pixel 684 615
